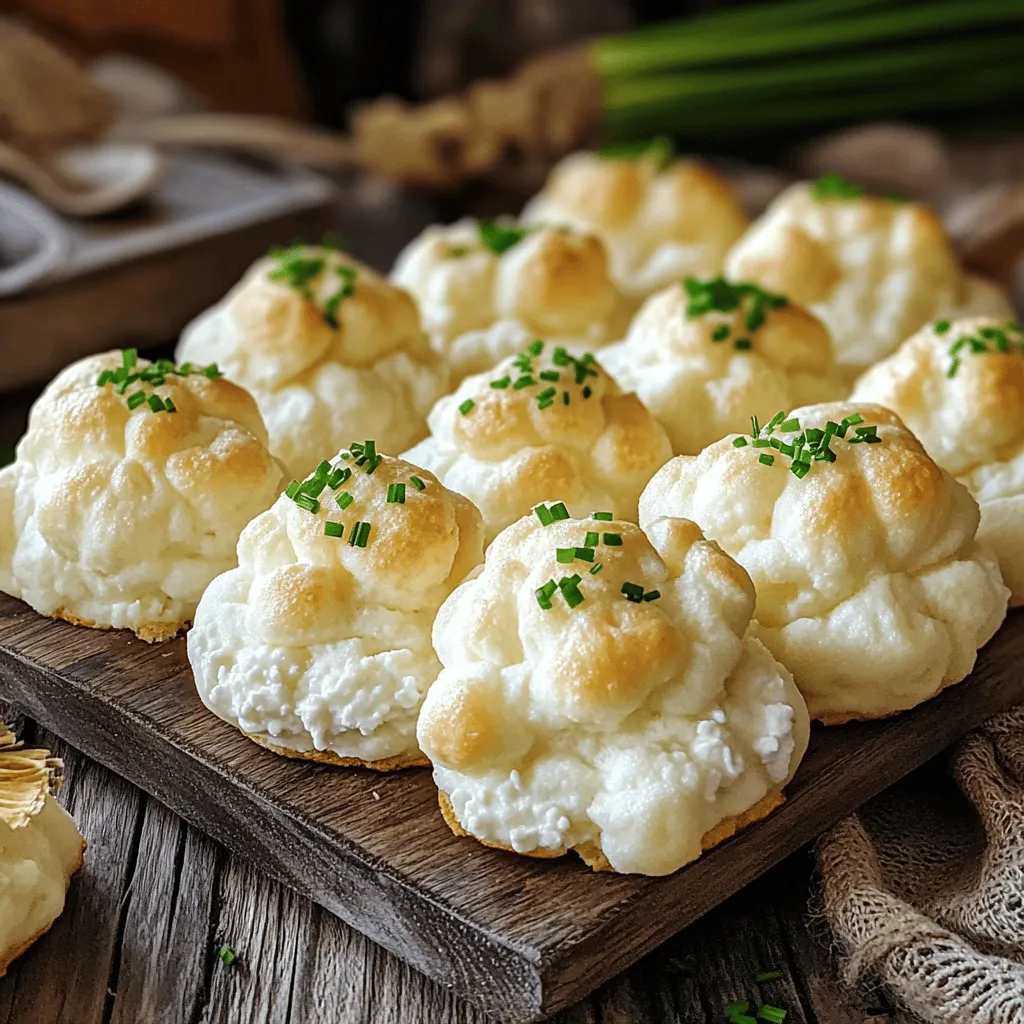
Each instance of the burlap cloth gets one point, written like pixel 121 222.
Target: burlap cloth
pixel 924 887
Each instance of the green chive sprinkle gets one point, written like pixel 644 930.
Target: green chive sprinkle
pixel 549 375
pixel 359 535
pixel 499 238
pixel 613 540
pixel 596 569
pixel 835 186
pixel 586 392
pixel 605 517
pixel 561 357
pixel 544 515
pixel 306 502
pixel 169 406
pixel 766 460
pixel 771 1014
pixel 941 326
pixel 417 483
pixel 292 489
pixel 396 494
pixel 569 586
pixel 344 499
pixel 585 554
pixel 156 403
pixel 565 555
pixel 544 594
pixel 720 333
pixel 136 399
pixel 227 955
pixel 763 976
pixel 467 406
pixel 525 381
pixel 501 383
pixel 333 529
pixel 652 595
pixel 535 347
pixel 633 592
pixel 212 371
pixel 558 512
pixel 591 540
pixel 791 425
pixel 717 295
pixel 743 344
pixel 739 442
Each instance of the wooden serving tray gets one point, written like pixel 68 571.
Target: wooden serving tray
pixel 520 937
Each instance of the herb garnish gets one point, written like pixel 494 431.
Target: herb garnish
pixel 809 445
pixel 834 186
pixel 1008 338
pixel 155 374
pixel 661 149
pixel 551 514
pixel 499 238
pixel 297 269
pixel 227 955
pixel 717 295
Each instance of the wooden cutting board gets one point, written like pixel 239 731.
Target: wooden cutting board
pixel 520 937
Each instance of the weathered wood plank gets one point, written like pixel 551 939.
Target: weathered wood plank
pixel 519 937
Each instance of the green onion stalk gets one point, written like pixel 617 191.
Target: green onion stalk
pixel 782 65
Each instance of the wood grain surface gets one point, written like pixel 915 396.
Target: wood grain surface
pixel 156 900
pixel 520 938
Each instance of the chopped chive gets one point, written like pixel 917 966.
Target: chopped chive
pixel 535 347
pixel 561 357
pixel 501 383
pixel 633 592
pixel 292 489
pixel 499 238
pixel 333 529
pixel 169 406
pixel 771 1014
pixel 417 483
pixel 591 540
pixel 565 555
pixel 338 477
pixel 755 427
pixel 212 371
pixel 800 469
pixel 525 381
pixel 558 512
pixel 594 570
pixel 852 420
pixel 544 515
pixel 308 503
pixel 549 375
pixel 941 326
pixel 790 425
pixel 467 406
pixel 605 517
pixel 344 499
pixel 586 392
pixel 547 395
pixel 569 586
pixel 129 358
pixel 652 595
pixel 104 378
pixel 227 955
pixel 613 540
pixel 322 469
pixel 359 534
pixel 544 593
pixel 136 399
pixel 720 333
pixel 766 460
pixel 775 421
pixel 565 397
pixel 763 976
pixel 585 554
pixel 156 403
pixel 743 344
pixel 739 442
pixel 396 494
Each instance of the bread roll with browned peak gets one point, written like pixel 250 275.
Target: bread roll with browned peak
pixel 600 694
pixel 661 219
pixel 959 386
pixel 540 424
pixel 129 491
pixel 874 270
pixel 40 847
pixel 487 289
pixel 872 588
pixel 329 349
pixel 318 644
pixel 704 355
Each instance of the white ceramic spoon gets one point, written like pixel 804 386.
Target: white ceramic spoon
pixel 86 181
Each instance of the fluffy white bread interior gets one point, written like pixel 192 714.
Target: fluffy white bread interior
pixel 971 423
pixel 516 446
pixel 873 270
pixel 871 587
pixel 623 730
pixel 659 223
pixel 700 386
pixel 479 307
pixel 115 517
pixel 40 848
pixel 315 644
pixel 317 385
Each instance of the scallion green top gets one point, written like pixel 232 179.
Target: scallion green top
pixel 297 269
pixel 716 295
pixel 155 374
pixel 1007 339
pixel 499 238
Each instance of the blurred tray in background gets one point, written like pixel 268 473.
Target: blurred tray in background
pixel 138 277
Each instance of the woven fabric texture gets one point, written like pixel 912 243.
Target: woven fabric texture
pixel 924 887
